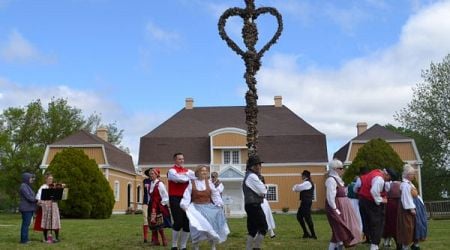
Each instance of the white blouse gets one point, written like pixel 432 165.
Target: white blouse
pixel 406 196
pixel 201 186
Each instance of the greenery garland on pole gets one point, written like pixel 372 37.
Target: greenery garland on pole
pixel 252 59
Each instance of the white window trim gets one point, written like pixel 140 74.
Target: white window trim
pixel 139 194
pixel 116 190
pixel 315 193
pixel 276 192
pixel 131 191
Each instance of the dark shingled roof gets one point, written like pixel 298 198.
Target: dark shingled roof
pixel 283 136
pixel 116 158
pixel 374 132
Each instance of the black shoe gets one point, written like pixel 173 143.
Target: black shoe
pixel 313 237
pixel 306 236
pixel 145 240
pixel 174 248
pixel 183 248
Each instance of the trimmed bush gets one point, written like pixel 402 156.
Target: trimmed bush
pixel 90 195
pixel 376 153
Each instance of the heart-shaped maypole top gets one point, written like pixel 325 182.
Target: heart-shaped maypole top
pixel 252 59
pixel 249 31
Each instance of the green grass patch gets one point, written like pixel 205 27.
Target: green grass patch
pixel 125 232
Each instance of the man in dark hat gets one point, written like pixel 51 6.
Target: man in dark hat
pixel 306 189
pixel 146 201
pixel 254 192
pixel 372 203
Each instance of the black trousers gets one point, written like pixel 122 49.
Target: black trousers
pixel 373 219
pixel 256 219
pixel 180 220
pixel 304 215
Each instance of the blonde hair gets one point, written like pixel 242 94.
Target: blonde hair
pixel 408 169
pixel 198 168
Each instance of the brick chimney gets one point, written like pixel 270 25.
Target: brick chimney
pixel 278 101
pixel 102 132
pixel 361 127
pixel 189 103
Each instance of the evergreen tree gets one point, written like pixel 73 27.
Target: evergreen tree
pixel 376 153
pixel 90 195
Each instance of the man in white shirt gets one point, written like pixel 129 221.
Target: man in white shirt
pixel 254 192
pixel 306 189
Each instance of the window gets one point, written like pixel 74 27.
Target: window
pixel 138 194
pixel 272 192
pixel 231 157
pixel 116 190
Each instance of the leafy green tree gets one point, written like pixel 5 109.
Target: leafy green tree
pixel 24 134
pixel 434 180
pixel 376 153
pixel 428 113
pixel 90 195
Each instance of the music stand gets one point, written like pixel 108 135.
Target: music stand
pixel 53 194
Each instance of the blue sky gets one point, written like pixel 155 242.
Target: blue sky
pixel 134 62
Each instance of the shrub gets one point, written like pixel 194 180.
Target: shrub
pixel 376 153
pixel 285 209
pixel 90 195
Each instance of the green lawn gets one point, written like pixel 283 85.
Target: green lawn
pixel 125 232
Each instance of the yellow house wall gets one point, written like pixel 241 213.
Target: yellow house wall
pixel 229 140
pixel 403 149
pixel 95 153
pixel 286 177
pixel 124 179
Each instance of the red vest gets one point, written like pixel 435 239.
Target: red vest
pixel 177 188
pixel 366 184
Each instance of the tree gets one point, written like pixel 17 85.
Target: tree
pixel 24 134
pixel 428 113
pixel 376 153
pixel 434 180
pixel 90 195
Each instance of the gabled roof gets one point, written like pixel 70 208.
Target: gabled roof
pixel 378 131
pixel 115 157
pixel 374 132
pixel 283 136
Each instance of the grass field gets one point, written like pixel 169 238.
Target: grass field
pixel 125 232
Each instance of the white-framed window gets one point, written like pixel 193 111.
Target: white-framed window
pixel 272 192
pixel 116 190
pixel 138 194
pixel 231 156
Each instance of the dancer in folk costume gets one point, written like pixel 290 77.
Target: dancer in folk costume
pixel 390 221
pixel 254 192
pixel 159 215
pixel 204 208
pixel 178 179
pixel 306 190
pixel 268 212
pixel 50 220
pixel 146 200
pixel 353 197
pixel 217 183
pixel 340 213
pixel 372 203
pixel 412 220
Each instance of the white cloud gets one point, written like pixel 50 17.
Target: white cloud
pixel 17 49
pixel 135 124
pixel 370 88
pixel 156 33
